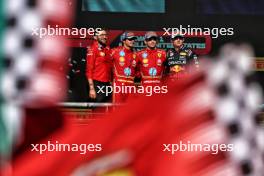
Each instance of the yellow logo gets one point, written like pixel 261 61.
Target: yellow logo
pixel 159 54
pixel 145 61
pixel 134 56
pixel 120 172
pixel 183 53
pixel 121 59
pixel 178 68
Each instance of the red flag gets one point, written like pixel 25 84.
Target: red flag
pixel 132 139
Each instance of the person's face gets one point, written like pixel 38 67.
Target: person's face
pixel 102 37
pixel 178 42
pixel 129 42
pixel 151 42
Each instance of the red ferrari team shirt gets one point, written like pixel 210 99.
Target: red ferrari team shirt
pixel 151 65
pixel 124 64
pixel 98 63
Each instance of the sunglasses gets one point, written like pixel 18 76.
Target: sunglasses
pixel 131 39
pixel 178 38
pixel 152 38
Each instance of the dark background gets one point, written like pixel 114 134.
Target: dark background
pixel 245 16
pixel 246 7
pixel 246 27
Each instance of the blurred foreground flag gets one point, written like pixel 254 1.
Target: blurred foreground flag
pixel 146 137
pixel 30 74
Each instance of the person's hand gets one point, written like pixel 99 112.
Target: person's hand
pixel 92 94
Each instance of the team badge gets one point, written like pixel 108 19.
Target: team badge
pixel 183 53
pixel 127 71
pixel 122 53
pixel 159 55
pixel 159 62
pixel 102 54
pixel 144 55
pixel 152 71
pixel 134 63
pixel 134 56
pixel 178 68
pixel 145 62
pixel 189 52
pixel 171 54
pixel 121 61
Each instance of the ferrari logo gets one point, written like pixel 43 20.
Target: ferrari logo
pixel 159 54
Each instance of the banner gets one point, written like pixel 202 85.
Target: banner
pixel 143 6
pixel 201 44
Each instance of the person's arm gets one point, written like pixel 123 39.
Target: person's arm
pixel 138 64
pixel 111 57
pixel 168 67
pixel 90 62
pixel 92 93
pixel 165 64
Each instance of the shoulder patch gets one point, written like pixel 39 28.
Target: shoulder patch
pixel 183 53
pixel 188 51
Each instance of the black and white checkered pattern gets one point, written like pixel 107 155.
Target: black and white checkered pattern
pixel 20 61
pixel 237 105
pixel 24 52
pixel 24 82
pixel 20 48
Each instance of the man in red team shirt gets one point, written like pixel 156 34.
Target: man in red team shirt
pixel 98 70
pixel 124 67
pixel 151 61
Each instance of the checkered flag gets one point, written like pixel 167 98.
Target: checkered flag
pixel 31 76
pixel 183 114
pixel 236 107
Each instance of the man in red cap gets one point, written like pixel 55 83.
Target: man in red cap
pixel 124 65
pixel 151 61
pixel 98 70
